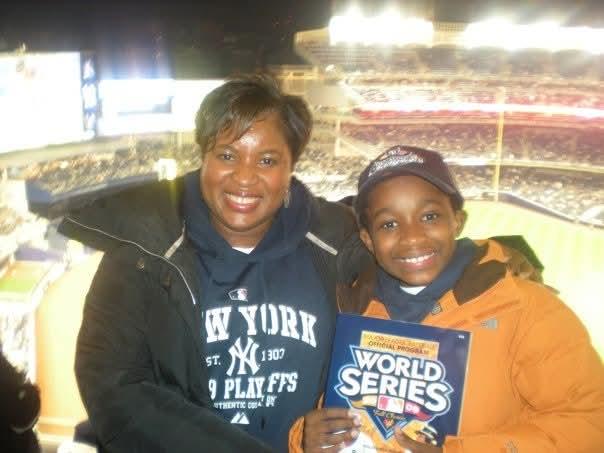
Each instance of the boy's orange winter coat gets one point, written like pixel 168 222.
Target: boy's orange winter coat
pixel 534 384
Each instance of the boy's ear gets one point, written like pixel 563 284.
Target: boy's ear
pixel 366 238
pixel 460 219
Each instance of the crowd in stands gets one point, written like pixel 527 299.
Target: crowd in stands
pixel 446 60
pixel 332 177
pixel 537 144
pixel 9 220
pixel 570 193
pixel 101 169
pixel 320 124
pixel 459 90
pixel 474 181
pixel 554 145
pixel 187 158
pixel 323 135
pixel 89 170
pixel 363 58
pixel 19 341
pixel 473 117
pixel 453 140
pixel 335 176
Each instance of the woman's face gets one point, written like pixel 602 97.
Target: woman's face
pixel 244 181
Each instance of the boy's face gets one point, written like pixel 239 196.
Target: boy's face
pixel 411 229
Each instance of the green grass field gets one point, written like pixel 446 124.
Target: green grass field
pixel 573 255
pixel 21 279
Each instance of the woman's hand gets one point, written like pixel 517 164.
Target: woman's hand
pixel 329 430
pixel 421 445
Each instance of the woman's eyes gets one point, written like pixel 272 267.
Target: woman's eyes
pixel 226 156
pixel 268 161
pixel 264 161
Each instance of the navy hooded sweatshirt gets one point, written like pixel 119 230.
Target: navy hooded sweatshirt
pixel 265 318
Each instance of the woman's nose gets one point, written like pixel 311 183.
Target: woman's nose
pixel 245 174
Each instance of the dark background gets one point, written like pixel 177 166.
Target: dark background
pixel 215 38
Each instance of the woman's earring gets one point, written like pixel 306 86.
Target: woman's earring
pixel 286 199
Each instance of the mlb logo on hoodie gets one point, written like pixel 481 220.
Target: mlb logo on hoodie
pixel 239 294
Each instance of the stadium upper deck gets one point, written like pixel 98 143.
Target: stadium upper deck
pixel 431 89
pixel 538 74
pixel 450 53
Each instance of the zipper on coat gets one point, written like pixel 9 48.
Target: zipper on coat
pixel 143 249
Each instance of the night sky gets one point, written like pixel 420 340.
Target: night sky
pixel 215 38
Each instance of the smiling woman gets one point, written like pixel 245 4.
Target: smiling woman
pixel 244 180
pixel 251 136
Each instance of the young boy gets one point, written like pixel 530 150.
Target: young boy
pixel 534 382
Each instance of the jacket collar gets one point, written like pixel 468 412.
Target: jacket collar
pixel 486 273
pixel 483 272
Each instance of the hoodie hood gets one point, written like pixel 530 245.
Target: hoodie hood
pixel 223 268
pixel 222 261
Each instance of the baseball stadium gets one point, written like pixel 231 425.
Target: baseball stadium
pixel 517 111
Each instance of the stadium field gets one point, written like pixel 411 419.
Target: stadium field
pixel 573 255
pixel 21 279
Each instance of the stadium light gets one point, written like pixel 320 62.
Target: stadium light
pixel 545 35
pixel 476 35
pixel 388 28
pixel 166 169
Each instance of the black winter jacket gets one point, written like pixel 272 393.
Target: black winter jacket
pixel 19 410
pixel 139 353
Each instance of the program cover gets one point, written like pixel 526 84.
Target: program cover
pixel 397 374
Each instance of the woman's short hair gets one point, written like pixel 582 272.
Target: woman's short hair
pixel 238 103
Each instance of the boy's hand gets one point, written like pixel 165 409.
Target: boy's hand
pixel 411 446
pixel 329 430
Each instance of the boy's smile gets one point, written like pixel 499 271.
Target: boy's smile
pixel 411 229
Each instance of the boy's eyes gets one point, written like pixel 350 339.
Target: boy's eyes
pixel 390 224
pixel 430 216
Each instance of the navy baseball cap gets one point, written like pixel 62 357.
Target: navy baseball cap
pixel 407 160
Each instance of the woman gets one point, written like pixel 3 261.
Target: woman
pixel 208 324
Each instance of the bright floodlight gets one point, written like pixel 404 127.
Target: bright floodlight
pixel 166 169
pixel 546 35
pixel 386 29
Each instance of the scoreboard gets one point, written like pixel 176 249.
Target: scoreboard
pixel 41 100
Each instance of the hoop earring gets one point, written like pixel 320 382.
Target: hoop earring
pixel 287 198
